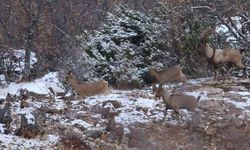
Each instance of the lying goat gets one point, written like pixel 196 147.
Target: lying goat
pixel 171 74
pixel 178 101
pixel 230 56
pixel 88 88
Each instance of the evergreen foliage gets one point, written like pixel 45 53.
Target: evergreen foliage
pixel 125 46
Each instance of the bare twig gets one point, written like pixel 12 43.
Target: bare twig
pixel 55 26
pixel 5 5
pixel 201 7
pixel 235 28
pixel 245 23
pixel 237 35
pixel 229 28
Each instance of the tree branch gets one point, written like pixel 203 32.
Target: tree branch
pixel 201 7
pixel 239 37
pixel 55 26
pixel 245 23
pixel 235 28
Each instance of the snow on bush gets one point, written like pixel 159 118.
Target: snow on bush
pixel 12 64
pixel 125 45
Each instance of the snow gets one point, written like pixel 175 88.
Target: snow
pixel 1 128
pixel 20 54
pixel 244 93
pixel 80 122
pixel 224 30
pixel 136 106
pixel 130 111
pixel 245 105
pixel 197 94
pixel 118 47
pixel 30 118
pixel 221 29
pixel 15 142
pixel 39 86
pixel 2 79
pixel 129 117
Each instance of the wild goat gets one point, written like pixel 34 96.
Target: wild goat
pixel 230 56
pixel 87 89
pixel 178 101
pixel 171 74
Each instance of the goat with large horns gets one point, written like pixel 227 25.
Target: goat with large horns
pixel 230 56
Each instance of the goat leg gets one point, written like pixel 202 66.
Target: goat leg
pixel 178 114
pixel 226 76
pixel 216 71
pixel 246 75
pixel 160 85
pixel 216 74
pixel 165 112
pixel 230 68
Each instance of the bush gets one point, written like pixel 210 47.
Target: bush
pixel 124 47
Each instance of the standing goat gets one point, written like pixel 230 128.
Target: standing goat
pixel 178 101
pixel 230 56
pixel 88 88
pixel 171 74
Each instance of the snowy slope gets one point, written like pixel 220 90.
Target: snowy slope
pixel 135 106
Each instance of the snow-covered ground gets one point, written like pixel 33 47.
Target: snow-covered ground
pixel 135 106
pixel 39 86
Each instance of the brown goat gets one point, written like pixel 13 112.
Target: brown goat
pixel 88 88
pixel 171 74
pixel 230 56
pixel 178 101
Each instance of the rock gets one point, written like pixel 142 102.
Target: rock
pixel 208 105
pixel 108 111
pixel 230 146
pixel 116 135
pixel 2 100
pixel 210 90
pixel 143 109
pixel 211 131
pixel 55 128
pixel 29 127
pixel 93 132
pixel 233 95
pixel 5 116
pixel 239 124
pixel 10 98
pixel 236 88
pixel 24 94
pixel 115 131
pixel 36 95
pixel 60 126
pixel 126 85
pixel 111 124
pixel 54 111
pixel 115 103
pixel 137 139
pixel 73 140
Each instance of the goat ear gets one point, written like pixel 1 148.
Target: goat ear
pixel 242 50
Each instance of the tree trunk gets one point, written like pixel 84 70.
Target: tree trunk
pixel 28 49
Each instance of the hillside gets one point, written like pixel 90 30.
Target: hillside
pixel 40 115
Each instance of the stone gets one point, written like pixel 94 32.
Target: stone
pixel 28 130
pixel 137 139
